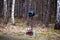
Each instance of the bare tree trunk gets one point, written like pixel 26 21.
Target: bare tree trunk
pixel 5 11
pixel 42 10
pixel 9 8
pixel 55 9
pixel 26 9
pixel 1 6
pixel 18 8
pixel 48 12
pixel 12 15
pixel 1 9
pixel 57 25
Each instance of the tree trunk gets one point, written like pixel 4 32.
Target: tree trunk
pixel 18 8
pixel 57 25
pixel 48 12
pixel 5 11
pixel 12 15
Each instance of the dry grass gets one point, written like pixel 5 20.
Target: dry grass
pixel 18 31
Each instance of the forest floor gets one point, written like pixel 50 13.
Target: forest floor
pixel 18 32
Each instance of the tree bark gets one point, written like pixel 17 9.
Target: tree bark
pixel 12 15
pixel 5 11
